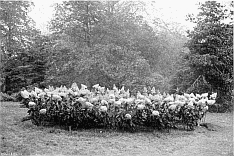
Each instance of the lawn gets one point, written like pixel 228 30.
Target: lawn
pixel 24 138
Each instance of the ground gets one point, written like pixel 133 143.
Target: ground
pixel 24 138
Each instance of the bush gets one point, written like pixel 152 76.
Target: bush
pixel 115 109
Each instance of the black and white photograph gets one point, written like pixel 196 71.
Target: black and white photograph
pixel 116 78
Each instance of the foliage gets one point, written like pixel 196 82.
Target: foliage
pixel 17 27
pixel 210 60
pixel 27 67
pixel 171 40
pixel 103 64
pixel 115 109
pixel 101 42
pixel 91 42
pixel 22 57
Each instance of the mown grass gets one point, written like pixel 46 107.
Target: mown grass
pixel 24 138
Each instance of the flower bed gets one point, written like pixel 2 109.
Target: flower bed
pixel 116 108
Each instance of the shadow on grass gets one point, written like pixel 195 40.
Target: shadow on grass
pixel 104 132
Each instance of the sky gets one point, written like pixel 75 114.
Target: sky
pixel 42 13
pixel 168 10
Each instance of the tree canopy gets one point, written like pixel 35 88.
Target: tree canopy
pixel 19 57
pixel 108 41
pixel 111 42
pixel 209 63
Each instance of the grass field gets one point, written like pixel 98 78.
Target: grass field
pixel 24 138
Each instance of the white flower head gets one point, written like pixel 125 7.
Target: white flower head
pixel 204 95
pixel 96 86
pixel 210 102
pixel 155 113
pixel 213 96
pixel 83 86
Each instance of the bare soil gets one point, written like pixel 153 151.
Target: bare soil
pixel 24 138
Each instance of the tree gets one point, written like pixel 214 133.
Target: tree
pixel 113 22
pixel 211 50
pixel 78 20
pixel 118 39
pixel 17 27
pixel 28 66
pixel 171 41
pixel 19 55
pixel 102 64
